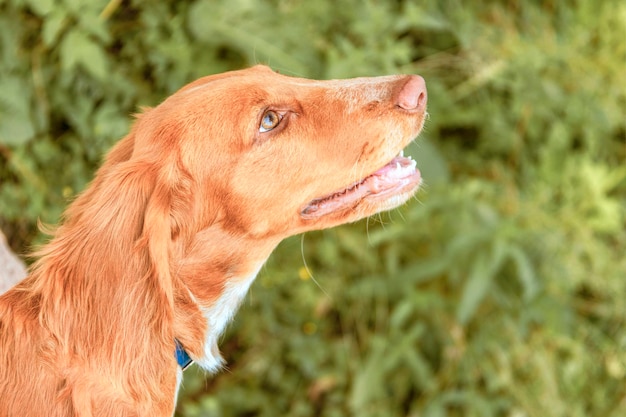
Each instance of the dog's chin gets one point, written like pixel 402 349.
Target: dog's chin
pixel 385 189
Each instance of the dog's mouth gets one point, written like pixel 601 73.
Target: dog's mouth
pixel 399 178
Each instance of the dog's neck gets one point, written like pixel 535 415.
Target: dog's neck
pixel 218 315
pixel 215 275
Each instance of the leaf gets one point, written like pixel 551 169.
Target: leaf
pixel 423 270
pixel 480 278
pixel 420 368
pixel 92 24
pixel 368 380
pixel 79 50
pixel 525 272
pixel 16 123
pixel 41 7
pixel 402 312
pixel 475 289
pixel 200 16
pixel 436 409
pixel 16 129
pixel 52 26
pixel 418 17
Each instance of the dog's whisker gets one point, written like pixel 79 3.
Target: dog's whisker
pixel 308 271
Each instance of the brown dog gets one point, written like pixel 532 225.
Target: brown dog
pixel 160 249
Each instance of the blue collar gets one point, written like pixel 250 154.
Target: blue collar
pixel 182 357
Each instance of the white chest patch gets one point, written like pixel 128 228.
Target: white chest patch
pixel 219 315
pixel 179 380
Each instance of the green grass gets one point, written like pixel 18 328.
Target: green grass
pixel 498 291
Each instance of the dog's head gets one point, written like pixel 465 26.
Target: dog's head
pixel 267 154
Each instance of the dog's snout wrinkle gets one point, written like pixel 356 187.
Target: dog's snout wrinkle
pixel 412 95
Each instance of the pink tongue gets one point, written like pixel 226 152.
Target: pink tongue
pixel 387 177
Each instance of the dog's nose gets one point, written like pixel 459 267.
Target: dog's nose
pixel 412 96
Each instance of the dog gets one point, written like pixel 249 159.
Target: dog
pixel 152 260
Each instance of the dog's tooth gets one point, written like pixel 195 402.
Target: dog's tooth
pixel 401 154
pixel 398 166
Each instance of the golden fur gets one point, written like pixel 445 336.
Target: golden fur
pixel 177 222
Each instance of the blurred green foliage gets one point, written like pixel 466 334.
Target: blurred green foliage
pixel 499 291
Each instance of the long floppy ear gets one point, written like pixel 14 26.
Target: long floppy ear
pixel 168 215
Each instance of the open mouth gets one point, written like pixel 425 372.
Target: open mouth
pixel 399 176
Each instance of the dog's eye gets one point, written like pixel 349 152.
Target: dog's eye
pixel 270 120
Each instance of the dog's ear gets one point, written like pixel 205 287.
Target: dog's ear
pixel 167 219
